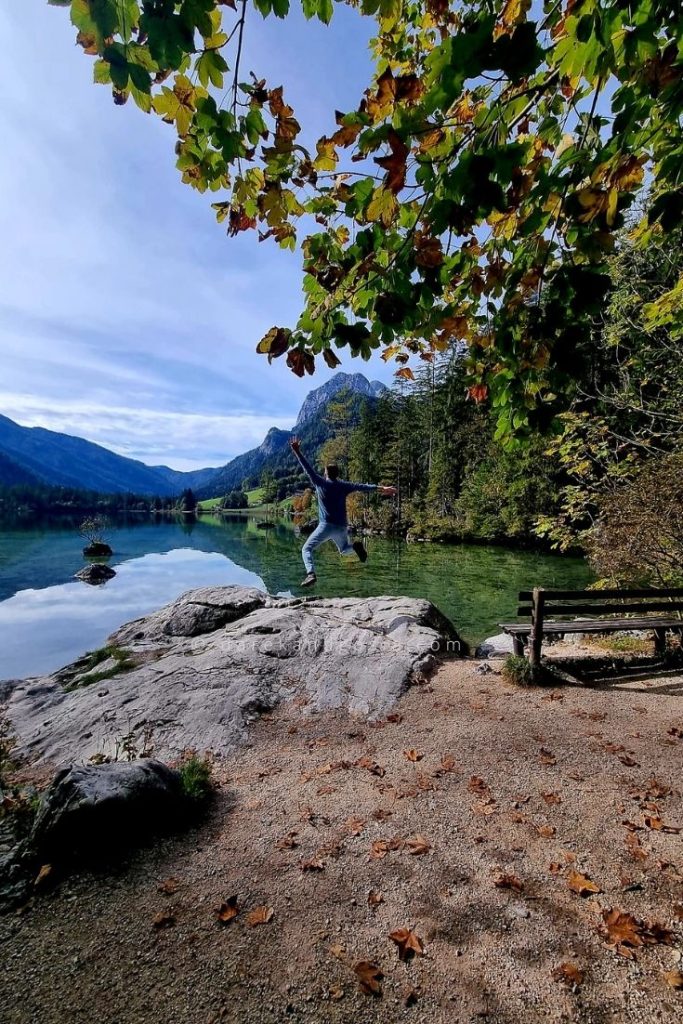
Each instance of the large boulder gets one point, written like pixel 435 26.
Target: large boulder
pixel 201 690
pixel 90 811
pixel 498 646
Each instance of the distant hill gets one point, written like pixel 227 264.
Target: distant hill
pixel 63 460
pixel 36 455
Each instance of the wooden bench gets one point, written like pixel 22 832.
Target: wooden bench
pixel 627 610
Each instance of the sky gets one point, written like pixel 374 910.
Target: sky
pixel 126 315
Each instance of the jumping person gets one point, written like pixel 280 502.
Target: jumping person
pixel 333 524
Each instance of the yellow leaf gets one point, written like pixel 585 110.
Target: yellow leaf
pixel 383 207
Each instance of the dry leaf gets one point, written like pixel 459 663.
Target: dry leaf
pixel 355 825
pixel 555 869
pixel 506 881
pixel 338 951
pixel 164 919
pixel 326 790
pixel 448 764
pixel 552 798
pixel 484 808
pixel 568 973
pixel 375 897
pixel 628 761
pixel 674 979
pixel 379 849
pixel 227 911
pixel 395 718
pixel 418 845
pixel 547 831
pixel 260 915
pixel 581 884
pixel 335 992
pixel 170 886
pixel 545 757
pixel 477 785
pixel 624 933
pixel 410 996
pixel 371 766
pixel 287 842
pixel 634 847
pixel 408 943
pixel 412 755
pixel 43 875
pixel 657 825
pixel 314 864
pixel 369 977
pixel 381 814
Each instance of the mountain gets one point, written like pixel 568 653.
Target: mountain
pixel 356 382
pixel 273 454
pixel 36 455
pixel 58 459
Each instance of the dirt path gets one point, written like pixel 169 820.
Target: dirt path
pixel 507 788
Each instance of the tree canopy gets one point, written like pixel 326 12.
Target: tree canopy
pixel 472 196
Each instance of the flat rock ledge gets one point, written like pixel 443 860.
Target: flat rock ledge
pixel 193 675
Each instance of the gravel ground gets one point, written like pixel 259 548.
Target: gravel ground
pixel 480 800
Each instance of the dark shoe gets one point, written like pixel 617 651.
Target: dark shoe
pixel 360 550
pixel 310 580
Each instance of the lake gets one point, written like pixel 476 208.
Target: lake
pixel 47 618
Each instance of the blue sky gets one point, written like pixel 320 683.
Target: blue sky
pixel 126 314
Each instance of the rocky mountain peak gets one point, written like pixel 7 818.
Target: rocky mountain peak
pixel 319 397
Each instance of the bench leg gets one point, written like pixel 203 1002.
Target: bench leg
pixel 517 645
pixel 660 641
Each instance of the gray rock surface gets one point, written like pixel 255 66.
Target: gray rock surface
pixel 218 657
pixel 498 646
pixel 90 810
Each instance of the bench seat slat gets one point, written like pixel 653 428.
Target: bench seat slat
pixel 639 608
pixel 593 625
pixel 578 595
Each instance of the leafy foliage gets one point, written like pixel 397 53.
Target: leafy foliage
pixel 473 194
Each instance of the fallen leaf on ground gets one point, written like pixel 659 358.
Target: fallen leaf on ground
pixel 379 849
pixel 408 943
pixel 674 979
pixel 381 814
pixel 43 875
pixel 287 842
pixel 554 868
pixel 506 881
pixel 355 825
pixel 169 886
pixel 412 755
pixel 568 973
pixel 614 748
pixel 624 933
pixel 418 845
pixel 581 884
pixel 477 785
pixel 410 996
pixel 164 919
pixel 326 790
pixel 227 911
pixel 484 808
pixel 448 764
pixel 395 718
pixel 369 977
pixel 314 864
pixel 371 766
pixel 657 825
pixel 634 847
pixel 375 898
pixel 338 951
pixel 545 757
pixel 335 992
pixel 546 831
pixel 628 761
pixel 260 915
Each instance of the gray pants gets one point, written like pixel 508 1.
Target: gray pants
pixel 322 533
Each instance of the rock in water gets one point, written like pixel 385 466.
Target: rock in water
pixel 91 810
pixel 218 657
pixel 95 573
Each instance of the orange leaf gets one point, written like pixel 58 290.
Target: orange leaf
pixel 227 911
pixel 674 979
pixel 413 755
pixel 164 919
pixel 260 915
pixel 581 884
pixel 408 943
pixel 355 825
pixel 314 864
pixel 168 887
pixel 369 977
pixel 506 881
pixel 568 973
pixel 418 845
pixel 43 875
pixel 406 373
pixel 375 898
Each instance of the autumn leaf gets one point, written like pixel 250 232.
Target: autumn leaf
pixel 405 373
pixel 508 881
pixel 545 757
pixel 477 785
pixel 568 973
pixel 355 825
pixel 375 898
pixel 410 996
pixel 546 831
pixel 581 884
pixel 478 392
pixel 371 766
pixel 260 915
pixel 288 842
pixel 624 933
pixel 227 911
pixel 383 206
pixel 300 362
pixel 395 164
pixel 274 343
pixel 674 979
pixel 170 886
pixel 381 103
pixel 412 755
pixel 657 825
pixel 408 943
pixel 552 798
pixel 313 864
pixel 369 977
pixel 418 845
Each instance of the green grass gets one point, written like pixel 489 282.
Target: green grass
pixel 517 670
pixel 195 778
pixel 209 503
pixel 123 663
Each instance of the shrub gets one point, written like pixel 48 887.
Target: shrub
pixel 518 670
pixel 196 780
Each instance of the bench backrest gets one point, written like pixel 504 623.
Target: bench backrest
pixel 602 602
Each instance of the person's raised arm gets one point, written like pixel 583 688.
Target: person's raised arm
pixel 315 478
pixel 385 492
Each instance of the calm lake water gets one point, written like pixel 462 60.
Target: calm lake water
pixel 47 619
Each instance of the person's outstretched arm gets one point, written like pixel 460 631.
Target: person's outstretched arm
pixel 315 478
pixel 385 492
